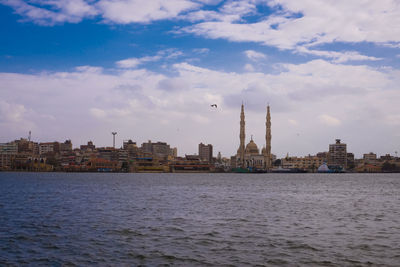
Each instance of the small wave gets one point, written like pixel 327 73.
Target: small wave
pixel 353 262
pixel 293 245
pixel 126 232
pixel 320 263
pixel 137 256
pixel 23 238
pixel 50 246
pixel 213 234
pixel 204 242
pixel 362 247
pixel 278 262
pixel 178 220
pixel 175 229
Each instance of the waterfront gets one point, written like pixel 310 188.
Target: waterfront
pixel 199 219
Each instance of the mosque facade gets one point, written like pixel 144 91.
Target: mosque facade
pixel 249 156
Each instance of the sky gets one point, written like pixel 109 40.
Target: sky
pixel 150 70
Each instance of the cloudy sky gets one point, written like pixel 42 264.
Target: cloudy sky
pixel 150 69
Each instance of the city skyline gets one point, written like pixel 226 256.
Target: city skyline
pixel 80 70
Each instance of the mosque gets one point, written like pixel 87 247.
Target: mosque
pixel 249 157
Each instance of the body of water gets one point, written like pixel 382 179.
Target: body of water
pixel 199 219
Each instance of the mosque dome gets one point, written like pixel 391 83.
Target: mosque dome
pixel 252 148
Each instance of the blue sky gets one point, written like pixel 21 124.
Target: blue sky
pixel 80 69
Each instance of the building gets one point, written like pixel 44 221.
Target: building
pixel 368 168
pixel 191 163
pixel 9 148
pixel 350 161
pixel 148 164
pixel 108 153
pixel 308 163
pixel 174 152
pixel 160 149
pixel 26 146
pixel 370 158
pixel 206 152
pixel 50 147
pixel 249 156
pixel 386 157
pixel 131 148
pixel 323 155
pixel 66 146
pixel 102 165
pixel 338 154
pixel 90 146
pixel 8 151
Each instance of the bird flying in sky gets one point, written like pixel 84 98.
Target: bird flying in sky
pixel 214 105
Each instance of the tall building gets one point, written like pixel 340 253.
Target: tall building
pixel 49 147
pixel 267 154
pixel 338 154
pixel 206 152
pixel 159 149
pixel 370 158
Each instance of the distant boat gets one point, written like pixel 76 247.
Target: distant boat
pixel 324 169
pixel 240 170
pixel 287 170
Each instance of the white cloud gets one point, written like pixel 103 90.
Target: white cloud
pixel 329 120
pixel 51 12
pixel 98 113
pixel 162 54
pixel 249 67
pixel 44 12
pixel 141 105
pixel 254 55
pixel 170 53
pixel 129 63
pixel 201 50
pixel 392 44
pixel 89 69
pixel 293 24
pixel 337 57
pixel 15 118
pixel 201 15
pixel 11 112
pixel 138 11
pixel 319 22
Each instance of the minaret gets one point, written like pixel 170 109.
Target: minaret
pixel 242 138
pixel 267 156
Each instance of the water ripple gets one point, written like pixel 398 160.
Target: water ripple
pixel 199 219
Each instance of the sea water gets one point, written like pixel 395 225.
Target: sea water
pixel 199 219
